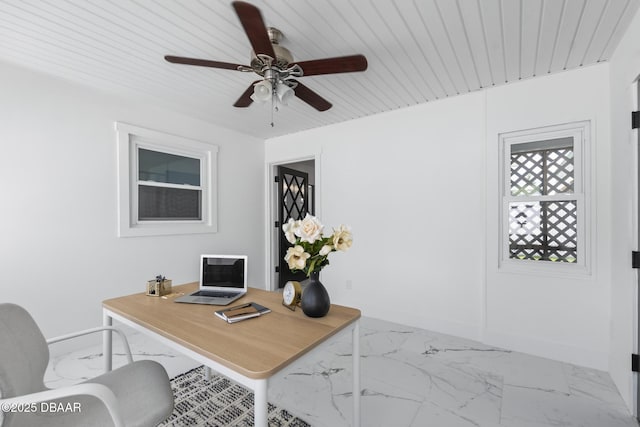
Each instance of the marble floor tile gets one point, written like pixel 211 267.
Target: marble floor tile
pixel 527 407
pixel 593 384
pixel 410 377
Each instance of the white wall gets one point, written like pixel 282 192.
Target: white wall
pixel 413 186
pixel 418 224
pixel 59 254
pixel 625 69
pixel 551 315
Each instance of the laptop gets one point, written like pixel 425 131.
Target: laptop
pixel 223 279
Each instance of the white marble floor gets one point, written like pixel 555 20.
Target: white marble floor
pixel 411 377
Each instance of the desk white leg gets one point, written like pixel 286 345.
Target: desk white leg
pixel 106 342
pixel 356 373
pixel 260 404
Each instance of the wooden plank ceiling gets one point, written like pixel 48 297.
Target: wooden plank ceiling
pixel 418 51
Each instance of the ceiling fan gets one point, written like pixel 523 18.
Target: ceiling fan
pixel 275 64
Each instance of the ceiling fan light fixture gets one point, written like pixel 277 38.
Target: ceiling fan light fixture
pixel 262 91
pixel 284 92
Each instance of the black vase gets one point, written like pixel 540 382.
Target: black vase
pixel 315 298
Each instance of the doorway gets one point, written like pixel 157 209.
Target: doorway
pixel 292 197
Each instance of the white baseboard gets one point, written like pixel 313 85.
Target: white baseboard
pixel 457 329
pixel 548 349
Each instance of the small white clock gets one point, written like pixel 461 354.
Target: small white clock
pixel 291 295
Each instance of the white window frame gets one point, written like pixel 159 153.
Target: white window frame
pixel 581 134
pixel 129 139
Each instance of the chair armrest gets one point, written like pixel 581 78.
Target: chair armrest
pixel 93 330
pixel 100 391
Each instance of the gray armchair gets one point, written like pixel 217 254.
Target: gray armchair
pixel 137 394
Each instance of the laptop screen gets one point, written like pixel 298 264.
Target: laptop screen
pixel 223 271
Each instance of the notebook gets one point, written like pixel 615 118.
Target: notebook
pixel 242 312
pixel 223 279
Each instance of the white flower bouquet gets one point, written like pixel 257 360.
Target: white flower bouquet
pixel 310 250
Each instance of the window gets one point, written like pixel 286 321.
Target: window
pixel 544 196
pixel 168 186
pixel 166 183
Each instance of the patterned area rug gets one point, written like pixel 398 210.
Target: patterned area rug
pixel 219 403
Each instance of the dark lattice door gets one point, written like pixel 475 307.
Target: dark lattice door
pixel 294 203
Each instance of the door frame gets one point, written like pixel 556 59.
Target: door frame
pixel 271 212
pixel 636 244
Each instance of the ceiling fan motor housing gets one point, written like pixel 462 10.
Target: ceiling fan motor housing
pixel 283 55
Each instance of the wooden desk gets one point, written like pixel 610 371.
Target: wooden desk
pixel 249 352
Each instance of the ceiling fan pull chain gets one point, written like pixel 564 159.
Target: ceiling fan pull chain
pixel 274 104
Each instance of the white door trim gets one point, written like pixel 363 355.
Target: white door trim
pixel 271 211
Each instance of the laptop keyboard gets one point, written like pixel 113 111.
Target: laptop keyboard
pixel 215 294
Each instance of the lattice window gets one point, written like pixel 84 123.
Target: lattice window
pixel 543 230
pixel 544 195
pixel 542 172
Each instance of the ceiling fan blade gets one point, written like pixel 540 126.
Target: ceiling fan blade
pixel 340 64
pixel 204 63
pixel 311 98
pixel 245 99
pixel 253 24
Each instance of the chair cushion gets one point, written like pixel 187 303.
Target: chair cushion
pixel 143 392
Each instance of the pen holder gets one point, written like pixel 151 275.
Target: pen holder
pixel 158 288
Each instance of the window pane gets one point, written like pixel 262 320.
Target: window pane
pixel 543 231
pixel 527 174
pixel 169 168
pixel 159 203
pixel 542 168
pixel 559 178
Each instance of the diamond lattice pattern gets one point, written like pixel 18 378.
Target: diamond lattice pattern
pixel 543 230
pixel 542 172
pixel 293 197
